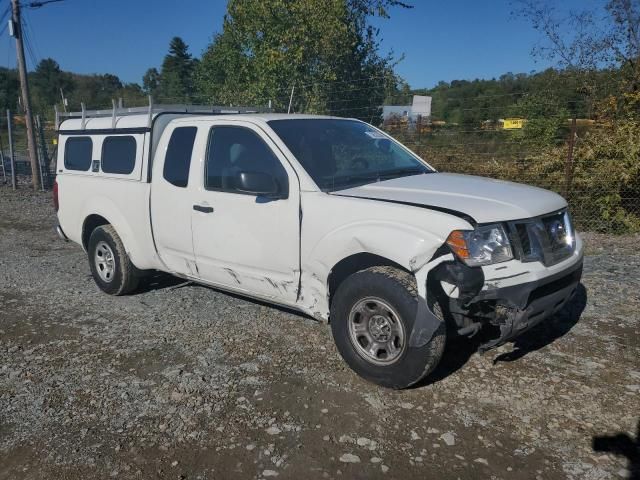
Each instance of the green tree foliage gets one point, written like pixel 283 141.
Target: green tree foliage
pixel 132 95
pixel 589 38
pixel 175 83
pixel 327 50
pixel 471 102
pixel 151 81
pixel 46 83
pixel 9 88
pixel 606 171
pixel 96 91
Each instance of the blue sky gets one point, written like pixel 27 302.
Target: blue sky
pixel 463 39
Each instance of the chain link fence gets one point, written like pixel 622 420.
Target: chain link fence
pixel 46 147
pixel 564 162
pixel 598 202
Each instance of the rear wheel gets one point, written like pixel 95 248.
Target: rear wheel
pixel 372 316
pixel 110 266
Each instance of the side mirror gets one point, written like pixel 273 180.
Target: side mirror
pixel 258 183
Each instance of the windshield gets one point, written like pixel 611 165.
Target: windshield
pixel 340 154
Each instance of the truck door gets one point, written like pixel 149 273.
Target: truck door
pixel 245 216
pixel 171 201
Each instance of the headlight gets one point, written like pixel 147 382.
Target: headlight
pixel 485 245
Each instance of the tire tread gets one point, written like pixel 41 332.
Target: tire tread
pixel 430 353
pixel 129 279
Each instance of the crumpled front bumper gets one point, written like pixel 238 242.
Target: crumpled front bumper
pixel 520 307
pixel 511 296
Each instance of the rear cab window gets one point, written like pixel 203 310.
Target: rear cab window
pixel 177 162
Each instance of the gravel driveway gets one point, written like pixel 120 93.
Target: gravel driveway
pixel 180 381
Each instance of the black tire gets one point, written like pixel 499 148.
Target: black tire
pixel 123 278
pixel 396 288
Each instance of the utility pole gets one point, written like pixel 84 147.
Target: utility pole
pixel 26 99
pixel 12 155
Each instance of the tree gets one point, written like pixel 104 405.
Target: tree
pixel 326 50
pixel 95 91
pixel 9 88
pixel 151 81
pixel 132 95
pixel 176 76
pixel 47 81
pixel 606 166
pixel 586 40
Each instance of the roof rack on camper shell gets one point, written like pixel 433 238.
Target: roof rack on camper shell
pixel 119 110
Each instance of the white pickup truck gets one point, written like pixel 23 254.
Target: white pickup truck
pixel 326 215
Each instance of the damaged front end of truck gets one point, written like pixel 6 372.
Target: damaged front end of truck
pixel 537 278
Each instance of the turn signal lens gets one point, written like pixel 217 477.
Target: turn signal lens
pixel 458 244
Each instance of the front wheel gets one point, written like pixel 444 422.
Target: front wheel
pixel 372 316
pixel 110 266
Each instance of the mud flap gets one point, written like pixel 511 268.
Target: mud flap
pixel 426 322
pixel 425 325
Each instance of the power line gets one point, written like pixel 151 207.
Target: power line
pixel 4 17
pixel 40 4
pixel 27 43
pixel 29 39
pixel 5 13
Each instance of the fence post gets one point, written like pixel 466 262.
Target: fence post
pixel 43 155
pixel 4 169
pixel 568 169
pixel 12 160
pixel 291 99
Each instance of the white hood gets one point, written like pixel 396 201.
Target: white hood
pixel 483 199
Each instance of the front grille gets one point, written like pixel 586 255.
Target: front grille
pixel 548 238
pixel 523 237
pixel 552 287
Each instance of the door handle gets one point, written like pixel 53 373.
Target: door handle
pixel 203 209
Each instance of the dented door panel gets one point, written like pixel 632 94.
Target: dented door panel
pixel 246 242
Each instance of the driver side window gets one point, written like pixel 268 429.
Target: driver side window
pixel 235 150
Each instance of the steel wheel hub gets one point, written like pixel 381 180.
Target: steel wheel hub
pixel 105 261
pixel 380 328
pixel 376 331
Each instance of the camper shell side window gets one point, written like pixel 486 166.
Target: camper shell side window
pixel 119 154
pixel 77 153
pixel 109 155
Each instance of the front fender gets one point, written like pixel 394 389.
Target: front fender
pixel 403 244
pixel 400 243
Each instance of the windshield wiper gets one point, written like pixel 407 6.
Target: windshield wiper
pixel 357 179
pixel 401 172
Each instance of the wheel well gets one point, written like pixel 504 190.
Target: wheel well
pixel 355 263
pixel 90 224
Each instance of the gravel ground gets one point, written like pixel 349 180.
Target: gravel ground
pixel 181 381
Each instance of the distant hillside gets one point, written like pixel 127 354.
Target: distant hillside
pixel 462 102
pixel 512 95
pixel 48 82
